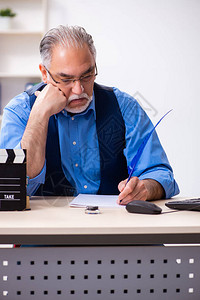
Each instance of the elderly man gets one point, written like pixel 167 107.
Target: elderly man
pixel 81 137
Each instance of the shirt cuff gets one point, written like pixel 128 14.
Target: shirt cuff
pixel 34 183
pixel 166 179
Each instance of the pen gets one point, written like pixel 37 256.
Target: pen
pixel 141 148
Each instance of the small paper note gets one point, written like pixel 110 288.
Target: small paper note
pixel 83 200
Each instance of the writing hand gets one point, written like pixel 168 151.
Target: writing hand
pixel 135 189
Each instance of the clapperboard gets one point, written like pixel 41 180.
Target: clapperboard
pixel 12 179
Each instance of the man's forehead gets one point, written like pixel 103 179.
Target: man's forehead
pixel 69 50
pixel 71 57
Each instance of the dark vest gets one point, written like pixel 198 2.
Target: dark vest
pixel 111 137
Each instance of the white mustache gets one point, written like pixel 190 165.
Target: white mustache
pixel 76 97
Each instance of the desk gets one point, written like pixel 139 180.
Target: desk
pixel 100 257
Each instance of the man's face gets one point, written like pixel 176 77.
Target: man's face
pixel 72 63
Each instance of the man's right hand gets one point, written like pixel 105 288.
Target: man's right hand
pixel 51 100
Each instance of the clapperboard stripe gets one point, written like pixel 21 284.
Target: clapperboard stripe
pixel 12 156
pixel 3 156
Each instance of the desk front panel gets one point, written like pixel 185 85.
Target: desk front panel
pixel 91 273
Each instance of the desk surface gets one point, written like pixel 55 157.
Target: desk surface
pixel 52 221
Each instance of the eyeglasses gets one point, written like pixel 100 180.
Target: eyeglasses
pixel 83 79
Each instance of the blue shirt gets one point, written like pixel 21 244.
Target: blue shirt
pixel 79 144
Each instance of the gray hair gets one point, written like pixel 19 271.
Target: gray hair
pixel 66 36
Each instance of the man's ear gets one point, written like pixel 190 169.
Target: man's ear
pixel 43 72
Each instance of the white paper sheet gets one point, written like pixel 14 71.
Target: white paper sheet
pixel 83 200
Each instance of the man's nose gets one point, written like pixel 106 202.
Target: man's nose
pixel 77 87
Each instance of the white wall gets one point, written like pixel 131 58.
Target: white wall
pixel 151 47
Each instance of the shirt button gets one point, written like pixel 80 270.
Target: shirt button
pixel 72 118
pixel 63 111
pixel 74 143
pixel 76 165
pixel 85 186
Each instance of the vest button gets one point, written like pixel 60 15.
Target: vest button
pixel 85 186
pixel 74 143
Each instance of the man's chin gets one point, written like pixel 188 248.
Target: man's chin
pixel 78 106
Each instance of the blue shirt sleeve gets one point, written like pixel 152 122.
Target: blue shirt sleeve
pixel 153 164
pixel 15 118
